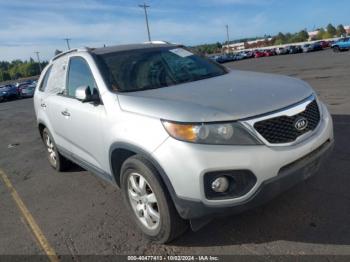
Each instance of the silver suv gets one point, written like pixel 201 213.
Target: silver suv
pixel 185 138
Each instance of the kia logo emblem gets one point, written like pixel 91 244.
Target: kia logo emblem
pixel 301 123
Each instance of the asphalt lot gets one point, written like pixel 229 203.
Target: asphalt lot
pixel 81 214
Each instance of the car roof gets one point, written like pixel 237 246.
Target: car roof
pixel 116 48
pixel 120 48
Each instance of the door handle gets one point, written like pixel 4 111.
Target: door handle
pixel 43 105
pixel 65 113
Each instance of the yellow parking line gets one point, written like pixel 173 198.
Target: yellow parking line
pixel 50 252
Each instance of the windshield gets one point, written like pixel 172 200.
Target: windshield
pixel 150 68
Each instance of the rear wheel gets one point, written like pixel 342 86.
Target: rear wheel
pixel 56 160
pixel 149 202
pixel 336 49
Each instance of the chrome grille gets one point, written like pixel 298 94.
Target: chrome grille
pixel 282 129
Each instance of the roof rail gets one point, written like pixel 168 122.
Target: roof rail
pixel 159 42
pixel 63 53
pixel 70 51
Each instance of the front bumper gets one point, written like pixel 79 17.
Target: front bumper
pixel 185 165
pixel 27 94
pixel 9 95
pixel 287 177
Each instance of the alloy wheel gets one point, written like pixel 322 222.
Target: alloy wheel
pixel 143 201
pixel 51 150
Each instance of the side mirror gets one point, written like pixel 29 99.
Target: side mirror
pixel 83 94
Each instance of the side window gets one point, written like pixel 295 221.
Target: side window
pixel 79 74
pixel 43 83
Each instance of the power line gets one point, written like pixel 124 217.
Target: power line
pixel 67 41
pixel 37 56
pixel 144 6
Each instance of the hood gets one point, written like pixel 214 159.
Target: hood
pixel 4 88
pixel 233 96
pixel 7 88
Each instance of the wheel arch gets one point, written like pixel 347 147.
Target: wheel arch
pixel 128 150
pixel 120 151
pixel 41 127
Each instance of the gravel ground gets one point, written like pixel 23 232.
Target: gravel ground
pixel 81 214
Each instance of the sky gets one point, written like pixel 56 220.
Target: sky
pixel 27 26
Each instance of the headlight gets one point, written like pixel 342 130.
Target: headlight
pixel 207 133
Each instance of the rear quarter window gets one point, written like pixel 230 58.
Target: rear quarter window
pixel 57 79
pixel 43 84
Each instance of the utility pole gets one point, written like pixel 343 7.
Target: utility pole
pixel 227 34
pixel 37 56
pixel 67 41
pixel 144 6
pixel 228 38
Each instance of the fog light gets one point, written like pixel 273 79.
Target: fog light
pixel 220 184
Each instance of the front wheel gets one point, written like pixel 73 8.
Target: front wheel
pixel 149 202
pixel 57 161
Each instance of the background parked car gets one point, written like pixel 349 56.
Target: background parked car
pixel 239 56
pixel 316 46
pixel 341 45
pixel 2 96
pixel 213 57
pixel 294 49
pixel 8 92
pixel 325 44
pixel 248 54
pixel 281 51
pixel 306 48
pixel 269 53
pixel 222 59
pixel 27 82
pixel 21 86
pixel 27 91
pixel 312 47
pixel 258 54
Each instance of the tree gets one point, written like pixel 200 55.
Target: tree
pixel 341 30
pixel 4 76
pixel 279 39
pixel 19 68
pixel 303 35
pixel 281 36
pixel 321 33
pixel 331 30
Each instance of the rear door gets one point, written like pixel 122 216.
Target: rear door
pixel 55 104
pixel 48 104
pixel 39 97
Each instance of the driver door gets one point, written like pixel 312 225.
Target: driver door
pixel 83 121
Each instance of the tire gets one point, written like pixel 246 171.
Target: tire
pixel 336 49
pixel 169 225
pixel 56 160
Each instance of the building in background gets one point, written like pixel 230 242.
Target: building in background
pixel 347 29
pixel 313 34
pixel 234 47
